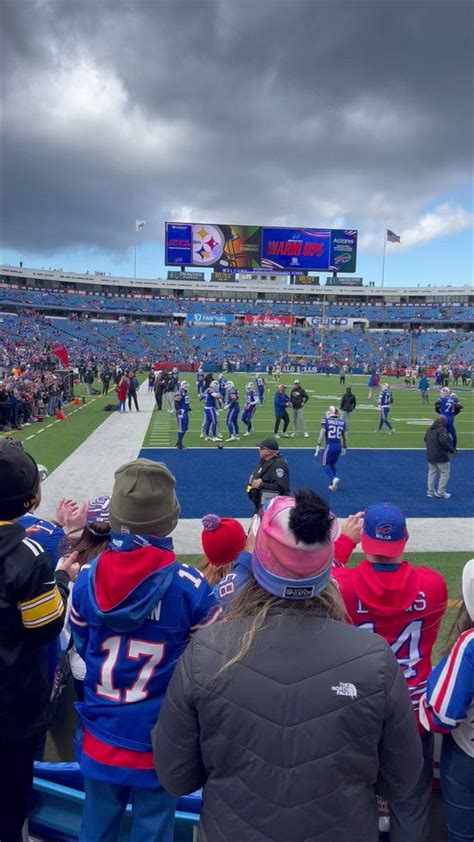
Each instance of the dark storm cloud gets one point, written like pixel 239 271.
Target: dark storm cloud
pixel 263 111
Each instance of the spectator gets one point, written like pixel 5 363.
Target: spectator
pixel 298 398
pixel 122 390
pixel 405 605
pixel 313 715
pixel 91 542
pixel 271 476
pixel 133 385
pixel 132 614
pixel 32 604
pixel 347 405
pixel 438 447
pixel 280 402
pixel 449 707
pixel 222 541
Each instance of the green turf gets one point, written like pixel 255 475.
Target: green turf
pixel 450 566
pixel 408 416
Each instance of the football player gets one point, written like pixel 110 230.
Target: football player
pixel 333 432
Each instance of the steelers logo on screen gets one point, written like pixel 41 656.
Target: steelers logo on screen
pixel 208 244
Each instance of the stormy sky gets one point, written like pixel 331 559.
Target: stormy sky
pixel 309 113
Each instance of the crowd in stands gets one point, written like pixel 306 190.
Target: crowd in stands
pixel 135 303
pixel 26 337
pixel 245 677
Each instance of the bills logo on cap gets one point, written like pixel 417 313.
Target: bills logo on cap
pixel 383 532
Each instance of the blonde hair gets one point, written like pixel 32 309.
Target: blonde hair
pixel 253 601
pixel 212 574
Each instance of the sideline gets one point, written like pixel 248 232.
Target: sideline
pixel 427 534
pixel 89 470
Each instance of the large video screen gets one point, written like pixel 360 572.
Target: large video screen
pixel 234 248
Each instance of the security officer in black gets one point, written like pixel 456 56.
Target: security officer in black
pixel 270 475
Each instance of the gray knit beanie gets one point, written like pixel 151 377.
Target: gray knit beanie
pixel 143 499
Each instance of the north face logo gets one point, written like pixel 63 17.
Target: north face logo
pixel 343 689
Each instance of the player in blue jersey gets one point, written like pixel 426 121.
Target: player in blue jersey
pixel 211 398
pixel 200 381
pixel 182 407
pixel 449 406
pixel 133 611
pixel 260 384
pixel 233 409
pixel 222 386
pixel 385 400
pixel 333 433
pixel 249 407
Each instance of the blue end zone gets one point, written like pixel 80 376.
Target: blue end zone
pixel 212 480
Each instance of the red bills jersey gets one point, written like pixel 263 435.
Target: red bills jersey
pixel 404 605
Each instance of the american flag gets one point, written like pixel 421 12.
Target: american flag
pixel 391 237
pixel 139 224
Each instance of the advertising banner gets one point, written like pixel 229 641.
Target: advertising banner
pixel 225 277
pixel 209 319
pixel 306 280
pixel 342 281
pixel 231 248
pixel 269 321
pixel 177 275
pixel 335 321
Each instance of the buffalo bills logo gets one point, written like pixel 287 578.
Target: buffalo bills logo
pixel 383 532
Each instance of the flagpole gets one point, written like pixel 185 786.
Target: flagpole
pixel 383 260
pixel 135 258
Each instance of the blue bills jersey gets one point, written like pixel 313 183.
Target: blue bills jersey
pixel 385 398
pixel 334 429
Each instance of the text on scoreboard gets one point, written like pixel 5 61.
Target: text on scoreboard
pixel 241 247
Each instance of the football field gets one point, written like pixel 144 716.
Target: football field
pixel 408 415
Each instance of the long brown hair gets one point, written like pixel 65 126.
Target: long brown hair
pixel 252 601
pixel 461 623
pixel 88 545
pixel 213 574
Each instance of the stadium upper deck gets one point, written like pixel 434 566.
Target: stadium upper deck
pixel 56 289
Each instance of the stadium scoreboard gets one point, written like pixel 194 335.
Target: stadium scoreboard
pixel 236 248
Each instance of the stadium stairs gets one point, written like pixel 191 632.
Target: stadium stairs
pixel 246 343
pixel 372 344
pixel 448 354
pixel 186 343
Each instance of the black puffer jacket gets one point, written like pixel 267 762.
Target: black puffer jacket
pixel 439 443
pixel 292 743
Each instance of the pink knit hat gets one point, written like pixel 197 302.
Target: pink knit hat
pixel 285 566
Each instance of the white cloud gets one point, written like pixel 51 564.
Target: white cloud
pixel 443 221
